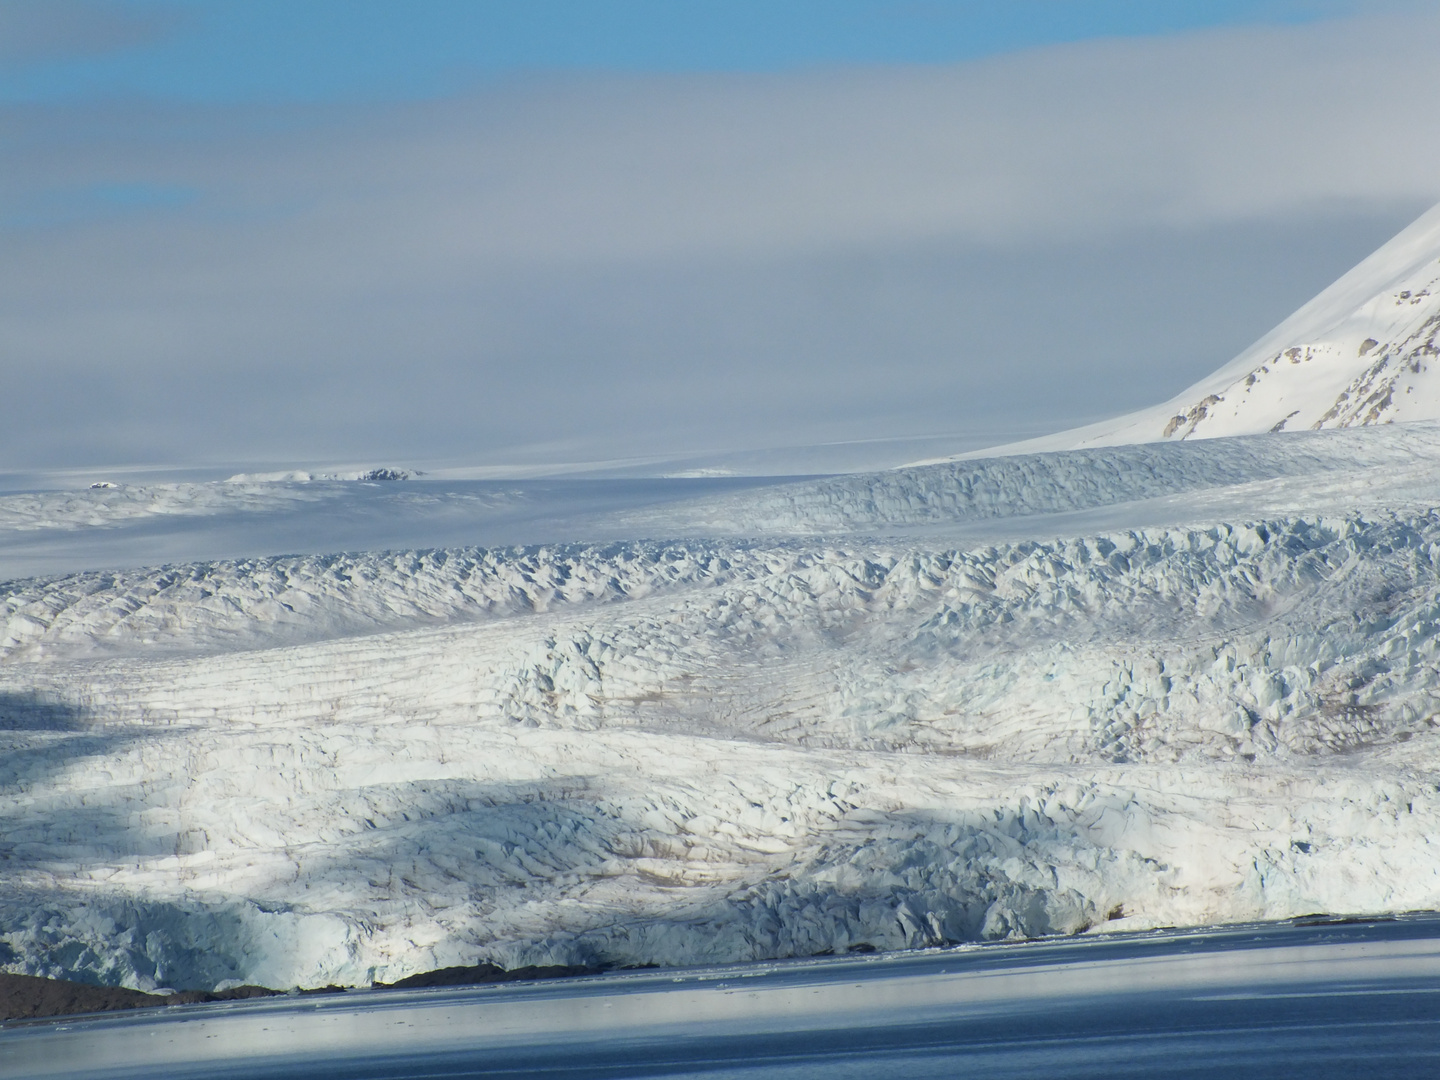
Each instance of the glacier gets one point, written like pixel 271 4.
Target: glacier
pixel 1185 681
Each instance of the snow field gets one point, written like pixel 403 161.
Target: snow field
pixel 113 506
pixel 1246 476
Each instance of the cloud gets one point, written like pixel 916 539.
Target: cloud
pixel 36 31
pixel 590 266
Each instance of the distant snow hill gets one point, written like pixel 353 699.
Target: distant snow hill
pixel 1362 352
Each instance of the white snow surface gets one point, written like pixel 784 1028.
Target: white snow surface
pixel 1177 683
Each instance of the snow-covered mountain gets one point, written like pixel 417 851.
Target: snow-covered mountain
pixel 1362 352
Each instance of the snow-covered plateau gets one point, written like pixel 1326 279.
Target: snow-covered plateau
pixel 1181 682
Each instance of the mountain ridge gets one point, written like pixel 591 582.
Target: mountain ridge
pixel 1361 352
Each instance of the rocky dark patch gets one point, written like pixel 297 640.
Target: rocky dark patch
pixel 478 974
pixel 29 997
pixel 26 997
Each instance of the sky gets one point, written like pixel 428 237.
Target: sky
pixel 586 234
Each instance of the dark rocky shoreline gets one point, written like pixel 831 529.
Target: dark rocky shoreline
pixel 30 997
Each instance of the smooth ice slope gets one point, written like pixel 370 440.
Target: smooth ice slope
pixel 1165 684
pixel 48 532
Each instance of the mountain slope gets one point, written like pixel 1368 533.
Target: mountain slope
pixel 1362 352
